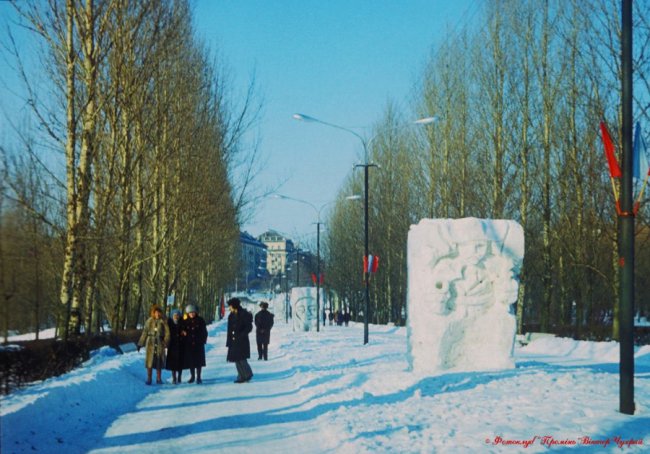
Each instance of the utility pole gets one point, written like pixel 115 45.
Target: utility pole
pixel 286 298
pixel 298 268
pixel 626 224
pixel 366 165
pixel 318 276
pixel 366 273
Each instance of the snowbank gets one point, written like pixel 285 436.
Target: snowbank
pixel 327 392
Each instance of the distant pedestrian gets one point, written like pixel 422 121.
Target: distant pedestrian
pixel 346 317
pixel 195 335
pixel 339 318
pixel 240 323
pixel 263 325
pixel 331 317
pixel 155 338
pixel 175 346
pixel 324 317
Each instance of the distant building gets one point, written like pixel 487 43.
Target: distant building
pixel 279 251
pixel 253 271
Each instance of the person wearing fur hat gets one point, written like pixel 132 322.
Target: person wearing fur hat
pixel 240 323
pixel 195 335
pixel 263 325
pixel 155 338
pixel 175 347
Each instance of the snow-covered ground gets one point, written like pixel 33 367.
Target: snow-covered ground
pixel 327 392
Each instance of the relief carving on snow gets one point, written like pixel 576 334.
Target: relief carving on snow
pixel 303 308
pixel 461 286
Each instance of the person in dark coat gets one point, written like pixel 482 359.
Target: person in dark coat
pixel 240 323
pixel 263 325
pixel 175 347
pixel 346 317
pixel 195 335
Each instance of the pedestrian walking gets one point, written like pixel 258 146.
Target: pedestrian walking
pixel 263 325
pixel 175 346
pixel 240 323
pixel 195 335
pixel 155 338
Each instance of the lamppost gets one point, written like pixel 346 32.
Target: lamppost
pixel 366 166
pixel 286 297
pixel 285 275
pixel 297 262
pixel 318 223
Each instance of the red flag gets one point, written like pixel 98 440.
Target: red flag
pixel 365 264
pixel 222 308
pixel 375 264
pixel 614 169
pixel 313 278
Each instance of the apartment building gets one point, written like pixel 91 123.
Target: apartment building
pixel 252 272
pixel 279 251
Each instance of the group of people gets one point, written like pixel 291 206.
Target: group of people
pixel 179 342
pixel 176 344
pixel 337 317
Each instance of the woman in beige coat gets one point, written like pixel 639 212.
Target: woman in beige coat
pixel 155 337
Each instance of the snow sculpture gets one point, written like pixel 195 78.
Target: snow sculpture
pixel 462 281
pixel 303 308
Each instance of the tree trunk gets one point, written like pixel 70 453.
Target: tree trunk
pixel 71 242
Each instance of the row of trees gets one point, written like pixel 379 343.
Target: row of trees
pixel 518 104
pixel 147 206
pixel 123 192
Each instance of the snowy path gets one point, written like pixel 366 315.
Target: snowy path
pixel 326 392
pixel 304 379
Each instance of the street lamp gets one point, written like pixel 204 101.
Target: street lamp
pixel 318 223
pixel 366 165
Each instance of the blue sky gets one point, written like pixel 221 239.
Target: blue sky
pixel 340 61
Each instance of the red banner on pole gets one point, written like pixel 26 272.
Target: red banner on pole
pixel 614 169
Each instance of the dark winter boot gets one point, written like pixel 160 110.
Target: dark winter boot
pixel 179 375
pixel 247 372
pixel 174 377
pixel 198 376
pixel 159 376
pixel 191 380
pixel 240 372
pixel 148 382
